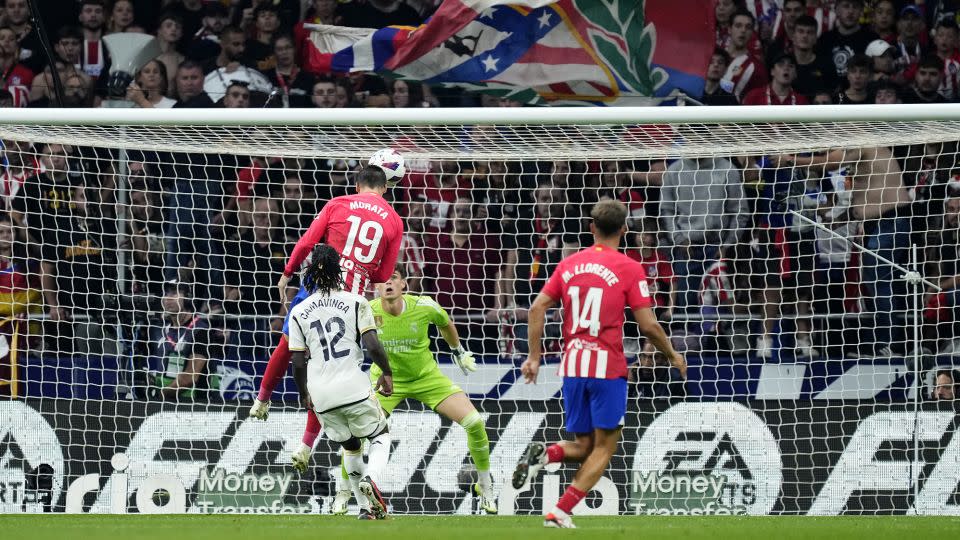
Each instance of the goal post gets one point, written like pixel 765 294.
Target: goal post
pixel 804 259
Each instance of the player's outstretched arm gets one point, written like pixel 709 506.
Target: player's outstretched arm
pixel 300 377
pixel 379 356
pixel 649 326
pixel 461 356
pixel 536 318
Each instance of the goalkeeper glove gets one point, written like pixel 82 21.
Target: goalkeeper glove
pixel 464 360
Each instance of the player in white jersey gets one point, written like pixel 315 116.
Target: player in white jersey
pixel 332 323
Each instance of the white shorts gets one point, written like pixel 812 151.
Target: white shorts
pixel 362 420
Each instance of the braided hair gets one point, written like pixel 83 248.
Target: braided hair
pixel 323 273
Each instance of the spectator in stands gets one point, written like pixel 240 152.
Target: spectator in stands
pixel 910 40
pixel 944 385
pixel 653 377
pixel 68 45
pixel 405 94
pixel 544 236
pixel 31 47
pixel 823 97
pixel 183 347
pixel 884 57
pixel 815 71
pixel 783 71
pixel 886 93
pixel 926 82
pixel 859 75
pixel 319 12
pixel 344 97
pixel 254 259
pixel 945 41
pixel 170 35
pixel 121 16
pixel 415 239
pixel 237 96
pixel 147 239
pixel 295 85
pixel 298 208
pixel 259 48
pixel 17 78
pixel 881 201
pixel 231 65
pixel 324 93
pixel 189 86
pixel 943 268
pixel 462 267
pixel 500 189
pixel 784 25
pixel 335 177
pixel 713 92
pixel 191 13
pixel 288 12
pixel 884 20
pixel 660 278
pixel 150 86
pixel 205 43
pixel 93 54
pixel 445 183
pixel 723 12
pixel 19 165
pixel 17 296
pixel 703 209
pixel 746 70
pixel 848 38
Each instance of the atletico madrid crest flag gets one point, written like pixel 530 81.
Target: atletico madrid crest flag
pixel 599 52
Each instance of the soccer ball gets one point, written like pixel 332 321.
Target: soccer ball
pixel 391 163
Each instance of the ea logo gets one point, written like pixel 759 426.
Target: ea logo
pixel 26 441
pixel 715 440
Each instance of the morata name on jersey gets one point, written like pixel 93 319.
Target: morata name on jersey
pixel 592 268
pixel 375 208
pixel 324 302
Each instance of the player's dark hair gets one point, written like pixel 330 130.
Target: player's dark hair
pixel 609 217
pixel 372 176
pixel 401 269
pixel 324 273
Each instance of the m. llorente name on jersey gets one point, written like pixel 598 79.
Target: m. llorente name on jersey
pixel 599 270
pixel 321 303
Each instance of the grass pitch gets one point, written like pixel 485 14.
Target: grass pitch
pixel 220 527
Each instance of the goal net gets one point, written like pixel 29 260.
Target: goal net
pixel 804 260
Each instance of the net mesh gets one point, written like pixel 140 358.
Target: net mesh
pixel 138 288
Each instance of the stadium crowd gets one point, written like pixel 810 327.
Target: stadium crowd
pixel 731 268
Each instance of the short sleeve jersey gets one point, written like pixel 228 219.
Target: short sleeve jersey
pixel 594 286
pixel 406 336
pixel 330 326
pixel 364 229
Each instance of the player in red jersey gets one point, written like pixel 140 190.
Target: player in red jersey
pixel 367 233
pixel 594 287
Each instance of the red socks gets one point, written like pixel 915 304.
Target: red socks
pixel 555 453
pixel 570 499
pixel 276 369
pixel 312 431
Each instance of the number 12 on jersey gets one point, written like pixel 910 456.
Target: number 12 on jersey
pixel 585 311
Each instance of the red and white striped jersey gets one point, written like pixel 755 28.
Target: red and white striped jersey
pixel 595 286
pixel 93 57
pixel 364 229
pixel 744 73
pixel 411 255
pixel 17 80
pixel 950 82
pixel 716 288
pixel 11 180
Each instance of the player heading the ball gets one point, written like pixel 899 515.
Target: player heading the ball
pixel 594 287
pixel 366 231
pixel 332 323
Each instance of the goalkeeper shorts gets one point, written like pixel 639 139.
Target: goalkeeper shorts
pixel 430 390
pixel 302 295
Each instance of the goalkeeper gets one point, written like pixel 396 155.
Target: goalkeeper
pixel 403 322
